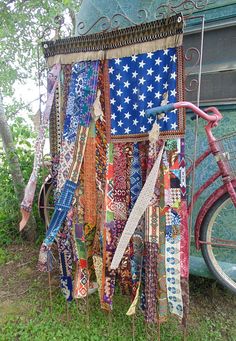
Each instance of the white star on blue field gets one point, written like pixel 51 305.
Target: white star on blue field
pixel 138 83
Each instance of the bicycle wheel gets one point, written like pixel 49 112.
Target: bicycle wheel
pixel 46 201
pixel 219 230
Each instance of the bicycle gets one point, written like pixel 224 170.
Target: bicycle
pixel 207 231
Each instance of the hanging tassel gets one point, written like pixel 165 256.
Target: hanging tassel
pixel 97 261
pixel 97 112
pixel 132 309
pixel 154 133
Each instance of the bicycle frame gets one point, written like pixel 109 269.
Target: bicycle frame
pixel 210 200
pixel 228 183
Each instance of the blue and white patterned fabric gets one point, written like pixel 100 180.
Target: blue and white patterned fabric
pixel 135 176
pixel 61 209
pixel 138 83
pixel 81 96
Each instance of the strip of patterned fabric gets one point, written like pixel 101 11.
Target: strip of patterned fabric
pixel 64 244
pixel 26 204
pixel 90 214
pixel 172 244
pixel 109 235
pixel 54 125
pixel 81 278
pixel 78 223
pixel 89 233
pixel 125 265
pixel 121 190
pixel 56 119
pixel 137 239
pixel 90 196
pixel 161 269
pixel 84 231
pixel 101 150
pixel 84 272
pixel 65 241
pixel 184 243
pixel 143 155
pixel 151 243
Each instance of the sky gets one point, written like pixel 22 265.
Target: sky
pixel 29 92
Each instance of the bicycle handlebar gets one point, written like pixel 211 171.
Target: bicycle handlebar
pixel 160 110
pixel 203 114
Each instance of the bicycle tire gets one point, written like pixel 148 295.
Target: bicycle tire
pixel 43 200
pixel 215 266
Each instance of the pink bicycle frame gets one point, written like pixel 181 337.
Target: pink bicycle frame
pixel 228 183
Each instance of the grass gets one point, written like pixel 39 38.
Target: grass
pixel 26 314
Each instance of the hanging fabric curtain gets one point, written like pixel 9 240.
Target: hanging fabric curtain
pixel 120 175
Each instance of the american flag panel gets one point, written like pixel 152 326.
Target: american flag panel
pixel 140 82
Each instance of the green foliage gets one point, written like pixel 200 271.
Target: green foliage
pixel 6 256
pixel 9 215
pixel 24 24
pixel 9 209
pixel 3 256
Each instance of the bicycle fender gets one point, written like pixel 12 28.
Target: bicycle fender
pixel 204 209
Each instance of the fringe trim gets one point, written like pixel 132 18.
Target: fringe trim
pixel 124 51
